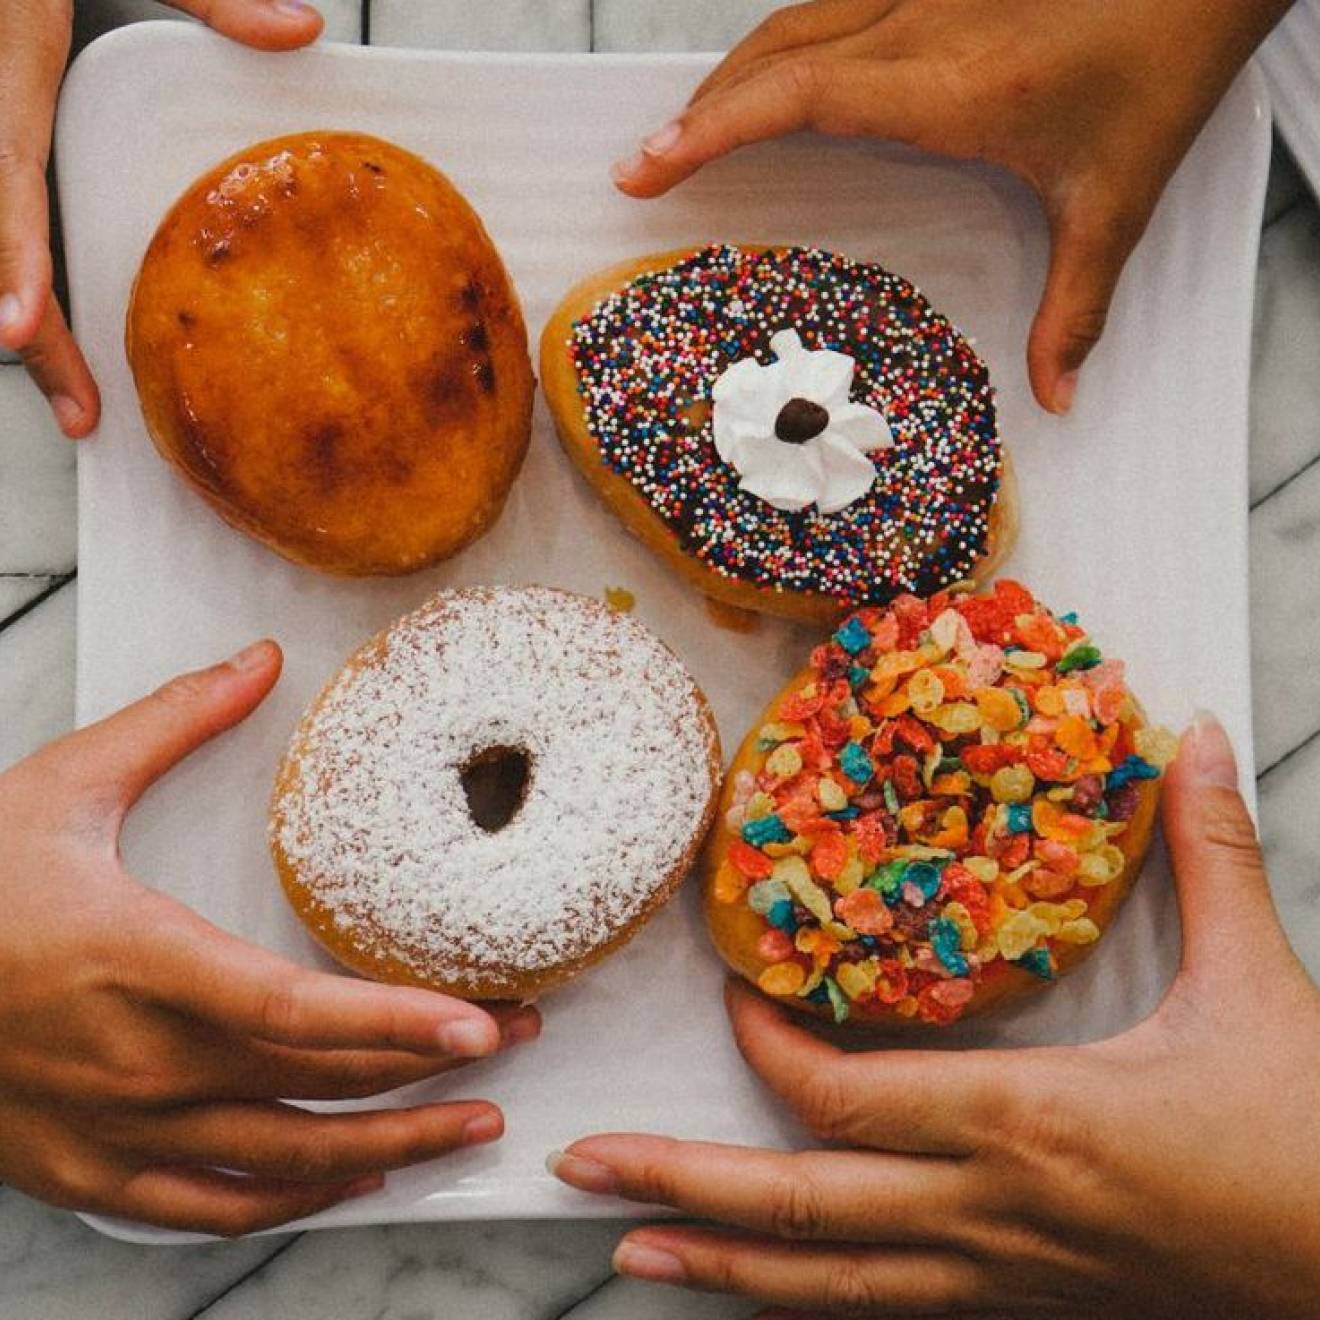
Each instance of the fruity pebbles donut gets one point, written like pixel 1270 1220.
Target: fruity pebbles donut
pixel 494 793
pixel 793 432
pixel 944 809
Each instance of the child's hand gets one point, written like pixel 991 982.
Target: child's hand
pixel 1092 102
pixel 34 44
pixel 144 1052
pixel 1168 1172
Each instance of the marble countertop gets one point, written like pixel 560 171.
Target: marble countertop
pixel 52 1267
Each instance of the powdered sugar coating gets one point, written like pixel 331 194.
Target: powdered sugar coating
pixel 375 822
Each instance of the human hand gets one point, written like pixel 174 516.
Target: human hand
pixel 1167 1172
pixel 1093 103
pixel 144 1053
pixel 34 45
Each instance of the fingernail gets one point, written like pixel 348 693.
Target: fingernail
pixel 67 413
pixel 663 139
pixel 623 170
pixel 11 310
pixel 295 7
pixel 485 1127
pixel 585 1175
pixel 373 1182
pixel 250 657
pixel 1212 758
pixel 469 1039
pixel 526 1026
pixel 1065 392
pixel 643 1262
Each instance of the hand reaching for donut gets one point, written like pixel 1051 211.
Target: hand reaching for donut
pixel 1093 103
pixel 34 45
pixel 146 1056
pixel 1167 1172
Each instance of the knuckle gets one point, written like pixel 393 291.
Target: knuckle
pixel 804 77
pixel 356 1077
pixel 1084 329
pixel 1225 825
pixel 279 1011
pixel 72 1182
pixel 182 691
pixel 825 1105
pixel 316 1157
pixel 850 1286
pixel 142 1086
pixel 653 1182
pixel 14 162
pixel 795 1203
pixel 784 24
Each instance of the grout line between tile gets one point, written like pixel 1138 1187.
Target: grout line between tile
pixel 568 1310
pixel 1287 481
pixel 1288 755
pixel 243 1278
pixel 60 582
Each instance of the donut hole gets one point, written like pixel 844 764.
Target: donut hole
pixel 495 784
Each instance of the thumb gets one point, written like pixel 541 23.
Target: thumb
pixel 265 24
pixel 1089 246
pixel 1228 917
pixel 122 755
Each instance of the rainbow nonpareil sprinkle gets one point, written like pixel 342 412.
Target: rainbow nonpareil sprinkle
pixel 647 357
pixel 937 802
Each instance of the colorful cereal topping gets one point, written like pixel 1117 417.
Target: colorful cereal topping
pixel 939 801
pixel 647 358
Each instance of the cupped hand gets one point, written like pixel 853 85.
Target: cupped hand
pixel 147 1057
pixel 34 45
pixel 1093 103
pixel 1170 1171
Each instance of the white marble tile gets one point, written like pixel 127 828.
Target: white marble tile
pixel 489 25
pixel 504 1271
pixel 627 1299
pixel 1288 797
pixel 677 24
pixel 53 1267
pixel 37 501
pixel 1285 607
pixel 1285 387
pixel 18 590
pixel 343 18
pixel 36 682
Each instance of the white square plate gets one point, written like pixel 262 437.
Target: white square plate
pixel 1134 508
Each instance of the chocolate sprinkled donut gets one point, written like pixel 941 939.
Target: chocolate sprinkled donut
pixel 647 355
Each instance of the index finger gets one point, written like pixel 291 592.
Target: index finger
pixel 193 967
pixel 805 90
pixel 812 1195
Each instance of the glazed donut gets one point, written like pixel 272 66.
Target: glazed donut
pixel 694 392
pixel 943 810
pixel 494 792
pixel 327 346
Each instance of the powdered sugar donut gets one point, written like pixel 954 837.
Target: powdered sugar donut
pixel 494 792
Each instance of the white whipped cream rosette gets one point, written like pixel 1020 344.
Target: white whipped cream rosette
pixel 790 430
